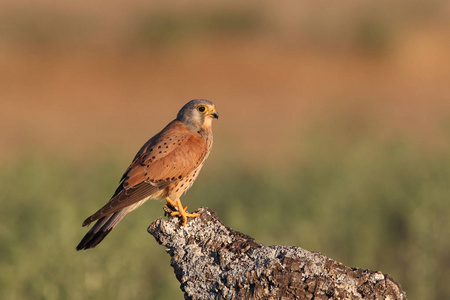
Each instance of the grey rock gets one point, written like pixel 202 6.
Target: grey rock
pixel 213 261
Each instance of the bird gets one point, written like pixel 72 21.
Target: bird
pixel 165 167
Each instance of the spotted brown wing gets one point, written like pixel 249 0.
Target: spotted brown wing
pixel 167 157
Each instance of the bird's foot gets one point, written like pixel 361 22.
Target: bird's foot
pixel 171 203
pixel 183 214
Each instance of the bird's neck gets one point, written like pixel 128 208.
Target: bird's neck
pixel 205 132
pixel 207 123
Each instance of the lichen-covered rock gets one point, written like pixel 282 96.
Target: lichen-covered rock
pixel 213 261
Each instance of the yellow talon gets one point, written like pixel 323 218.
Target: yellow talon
pixel 171 203
pixel 182 212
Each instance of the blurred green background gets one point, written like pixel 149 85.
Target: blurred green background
pixel 334 134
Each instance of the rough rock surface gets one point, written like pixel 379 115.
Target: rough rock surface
pixel 213 261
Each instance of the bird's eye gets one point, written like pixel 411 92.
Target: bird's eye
pixel 201 109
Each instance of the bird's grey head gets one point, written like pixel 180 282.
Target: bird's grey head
pixel 197 114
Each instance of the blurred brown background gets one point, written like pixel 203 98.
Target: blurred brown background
pixel 74 72
pixel 83 82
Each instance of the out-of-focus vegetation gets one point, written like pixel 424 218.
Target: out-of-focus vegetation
pixel 163 29
pixel 333 134
pixel 368 203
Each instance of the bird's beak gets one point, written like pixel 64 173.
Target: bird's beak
pixel 214 114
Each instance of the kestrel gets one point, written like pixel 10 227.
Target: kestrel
pixel 164 168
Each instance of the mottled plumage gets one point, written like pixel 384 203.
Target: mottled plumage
pixel 165 167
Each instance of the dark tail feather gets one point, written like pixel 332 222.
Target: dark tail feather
pixel 100 230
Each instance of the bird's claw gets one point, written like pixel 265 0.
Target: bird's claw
pixel 183 214
pixel 171 204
